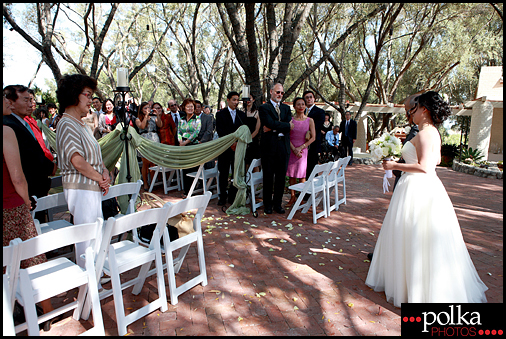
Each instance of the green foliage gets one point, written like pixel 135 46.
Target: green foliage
pixel 473 154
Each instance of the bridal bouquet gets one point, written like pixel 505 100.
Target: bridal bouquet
pixel 384 148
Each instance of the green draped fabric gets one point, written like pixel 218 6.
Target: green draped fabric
pixel 113 147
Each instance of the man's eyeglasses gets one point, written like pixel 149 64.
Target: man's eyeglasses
pixel 172 105
pixel 279 92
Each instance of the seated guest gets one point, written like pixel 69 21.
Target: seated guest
pixel 332 138
pixel 107 121
pixel 187 134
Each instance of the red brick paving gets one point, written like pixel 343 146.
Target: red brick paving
pixel 307 294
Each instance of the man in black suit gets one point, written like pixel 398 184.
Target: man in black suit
pixel 228 120
pixel 410 107
pixel 275 147
pixel 348 130
pixel 318 116
pixel 36 166
pixel 206 129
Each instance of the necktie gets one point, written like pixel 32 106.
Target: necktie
pixel 232 113
pixel 29 129
pixel 277 111
pixel 335 140
pixel 346 128
pixel 176 119
pixel 307 111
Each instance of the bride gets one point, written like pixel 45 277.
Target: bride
pixel 420 255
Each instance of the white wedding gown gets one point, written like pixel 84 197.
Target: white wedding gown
pixel 420 255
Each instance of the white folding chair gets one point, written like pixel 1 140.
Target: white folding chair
pixel 46 280
pixel 10 281
pixel 173 266
pixel 253 179
pixel 167 183
pixel 127 188
pixel 123 256
pixel 207 176
pixel 314 185
pixel 336 175
pixel 50 202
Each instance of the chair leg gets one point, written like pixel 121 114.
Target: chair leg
pixel 81 295
pixel 141 278
pixel 314 208
pixel 162 296
pixel 164 180
pixel 155 176
pixel 98 321
pixel 202 260
pixel 119 308
pixel 29 303
pixel 296 206
pixel 171 276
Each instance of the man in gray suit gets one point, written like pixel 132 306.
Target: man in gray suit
pixel 206 129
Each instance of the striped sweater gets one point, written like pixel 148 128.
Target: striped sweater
pixel 74 136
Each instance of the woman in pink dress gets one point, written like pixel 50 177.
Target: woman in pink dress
pixel 297 163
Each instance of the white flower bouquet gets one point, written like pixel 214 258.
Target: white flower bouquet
pixel 384 148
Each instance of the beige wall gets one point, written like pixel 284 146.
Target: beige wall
pixel 496 134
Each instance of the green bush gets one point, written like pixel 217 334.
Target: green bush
pixel 473 154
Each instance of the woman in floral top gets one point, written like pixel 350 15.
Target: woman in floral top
pixel 187 132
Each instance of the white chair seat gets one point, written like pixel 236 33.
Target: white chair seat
pixel 125 251
pixel 53 225
pixel 50 277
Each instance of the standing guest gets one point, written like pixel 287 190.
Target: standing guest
pixel 168 131
pixel 332 138
pixel 36 130
pixel 55 117
pixel 84 174
pixel 175 116
pixel 420 255
pixel 42 114
pixel 51 108
pixel 318 115
pixel 17 220
pixel 91 120
pixel 107 121
pixel 297 164
pixel 187 134
pixel 327 126
pixel 275 147
pixel 36 165
pixel 348 130
pixel 208 111
pixel 254 124
pixel 206 128
pixel 228 120
pixel 97 105
pixel 148 121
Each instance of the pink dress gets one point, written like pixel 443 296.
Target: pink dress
pixel 297 166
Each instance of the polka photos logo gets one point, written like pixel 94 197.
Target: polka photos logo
pixel 452 320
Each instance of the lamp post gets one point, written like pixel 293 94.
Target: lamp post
pixel 122 89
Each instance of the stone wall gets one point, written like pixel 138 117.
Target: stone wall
pixel 491 172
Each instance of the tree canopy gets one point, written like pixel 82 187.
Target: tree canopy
pixel 346 52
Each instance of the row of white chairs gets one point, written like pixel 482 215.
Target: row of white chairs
pixel 56 276
pixel 323 181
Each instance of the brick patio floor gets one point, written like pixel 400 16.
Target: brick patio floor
pixel 312 275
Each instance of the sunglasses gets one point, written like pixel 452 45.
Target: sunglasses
pixel 279 92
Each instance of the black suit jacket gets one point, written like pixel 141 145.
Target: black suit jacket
pixel 36 167
pixel 224 123
pixel 318 116
pixel 269 118
pixel 352 129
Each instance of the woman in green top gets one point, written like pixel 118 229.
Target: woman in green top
pixel 187 132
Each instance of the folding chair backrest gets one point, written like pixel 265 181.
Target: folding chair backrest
pixel 59 238
pixel 254 163
pixel 344 163
pixel 198 202
pixel 50 201
pixel 320 172
pixel 118 190
pixel 11 263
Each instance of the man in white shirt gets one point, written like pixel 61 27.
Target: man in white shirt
pixel 97 105
pixel 332 138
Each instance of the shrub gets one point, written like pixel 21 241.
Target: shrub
pixel 473 154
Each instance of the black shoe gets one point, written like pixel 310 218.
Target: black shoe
pixel 46 326
pixel 279 210
pixel 268 210
pixel 222 202
pixel 369 256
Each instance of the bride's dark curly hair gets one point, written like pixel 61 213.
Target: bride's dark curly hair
pixel 438 108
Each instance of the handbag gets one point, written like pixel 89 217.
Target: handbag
pixel 308 135
pixel 182 223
